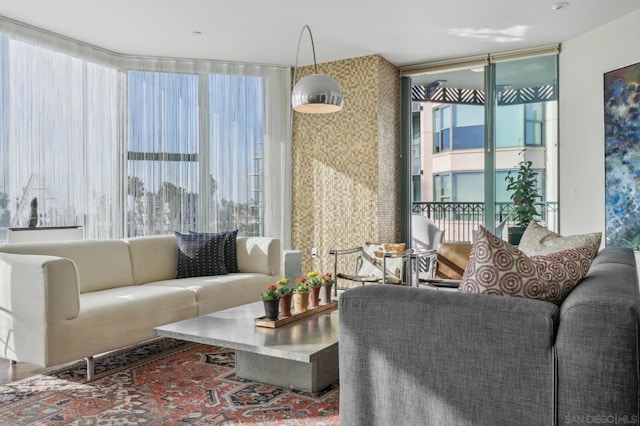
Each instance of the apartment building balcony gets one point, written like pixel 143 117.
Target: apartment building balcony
pixel 460 219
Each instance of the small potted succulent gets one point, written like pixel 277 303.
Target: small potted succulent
pixel 314 283
pixel 270 301
pixel 285 293
pixel 301 295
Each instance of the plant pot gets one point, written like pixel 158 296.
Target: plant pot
pixel 285 305
pixel 514 235
pixel 271 308
pixel 325 293
pixel 300 302
pixel 314 296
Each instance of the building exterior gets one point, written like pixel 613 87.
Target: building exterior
pixel 449 159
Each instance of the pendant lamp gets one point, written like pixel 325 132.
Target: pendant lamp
pixel 315 93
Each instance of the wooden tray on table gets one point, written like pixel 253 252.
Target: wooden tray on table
pixel 264 322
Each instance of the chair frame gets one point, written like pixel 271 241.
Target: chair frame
pixel 385 279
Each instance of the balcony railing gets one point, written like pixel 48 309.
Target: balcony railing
pixel 459 219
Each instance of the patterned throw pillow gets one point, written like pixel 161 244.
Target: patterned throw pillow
pixel 200 255
pixel 538 240
pixel 497 267
pixel 230 249
pixel 373 254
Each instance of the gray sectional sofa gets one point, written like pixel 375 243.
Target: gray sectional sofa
pixel 412 356
pixel 64 301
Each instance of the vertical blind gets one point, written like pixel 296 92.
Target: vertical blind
pixel 129 146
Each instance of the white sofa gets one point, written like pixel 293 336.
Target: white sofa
pixel 64 301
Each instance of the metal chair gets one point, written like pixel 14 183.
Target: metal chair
pixel 426 237
pixel 374 264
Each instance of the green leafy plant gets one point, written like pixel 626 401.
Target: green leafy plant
pixel 301 285
pixel 283 290
pixel 523 185
pixel 271 293
pixel 313 280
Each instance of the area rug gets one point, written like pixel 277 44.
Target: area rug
pixel 167 382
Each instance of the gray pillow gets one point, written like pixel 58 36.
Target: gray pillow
pixel 540 241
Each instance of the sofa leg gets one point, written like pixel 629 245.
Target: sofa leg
pixel 90 367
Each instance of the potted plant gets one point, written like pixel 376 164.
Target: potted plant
pixel 301 295
pixel 285 293
pixel 523 185
pixel 270 301
pixel 327 282
pixel 314 283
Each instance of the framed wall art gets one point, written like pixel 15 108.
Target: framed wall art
pixel 622 156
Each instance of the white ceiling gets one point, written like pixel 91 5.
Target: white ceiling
pixel 261 31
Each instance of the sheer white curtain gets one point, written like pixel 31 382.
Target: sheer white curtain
pixel 238 174
pixel 59 139
pixel 137 146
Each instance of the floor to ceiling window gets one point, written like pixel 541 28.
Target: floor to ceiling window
pixel 469 142
pixel 163 175
pixel 126 146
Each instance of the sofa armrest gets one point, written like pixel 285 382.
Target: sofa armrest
pixel 35 293
pixel 598 343
pixel 444 357
pixel 259 255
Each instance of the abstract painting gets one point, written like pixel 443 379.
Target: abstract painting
pixel 622 156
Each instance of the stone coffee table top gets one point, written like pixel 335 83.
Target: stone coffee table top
pixel 304 340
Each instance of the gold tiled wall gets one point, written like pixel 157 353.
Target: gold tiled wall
pixel 345 165
pixel 389 149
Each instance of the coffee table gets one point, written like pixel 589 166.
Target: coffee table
pixel 302 355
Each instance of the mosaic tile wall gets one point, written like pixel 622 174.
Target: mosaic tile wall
pixel 346 165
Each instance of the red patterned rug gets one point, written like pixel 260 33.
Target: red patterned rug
pixel 165 381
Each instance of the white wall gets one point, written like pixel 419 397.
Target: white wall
pixel 583 62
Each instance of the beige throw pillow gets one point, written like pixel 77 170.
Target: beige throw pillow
pixel 497 267
pixel 538 240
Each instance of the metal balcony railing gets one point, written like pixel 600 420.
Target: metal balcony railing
pixel 459 219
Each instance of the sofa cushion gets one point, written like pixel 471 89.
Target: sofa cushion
pixel 223 291
pixel 101 264
pixel 497 267
pixel 200 255
pixel 115 318
pixel 153 258
pixel 230 250
pixel 538 240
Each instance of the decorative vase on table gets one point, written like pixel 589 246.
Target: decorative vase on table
pixel 314 283
pixel 285 293
pixel 301 296
pixel 271 302
pixel 285 305
pixel 300 302
pixel 325 290
pixel 271 308
pixel 314 296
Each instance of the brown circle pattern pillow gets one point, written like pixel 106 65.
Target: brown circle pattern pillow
pixel 497 267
